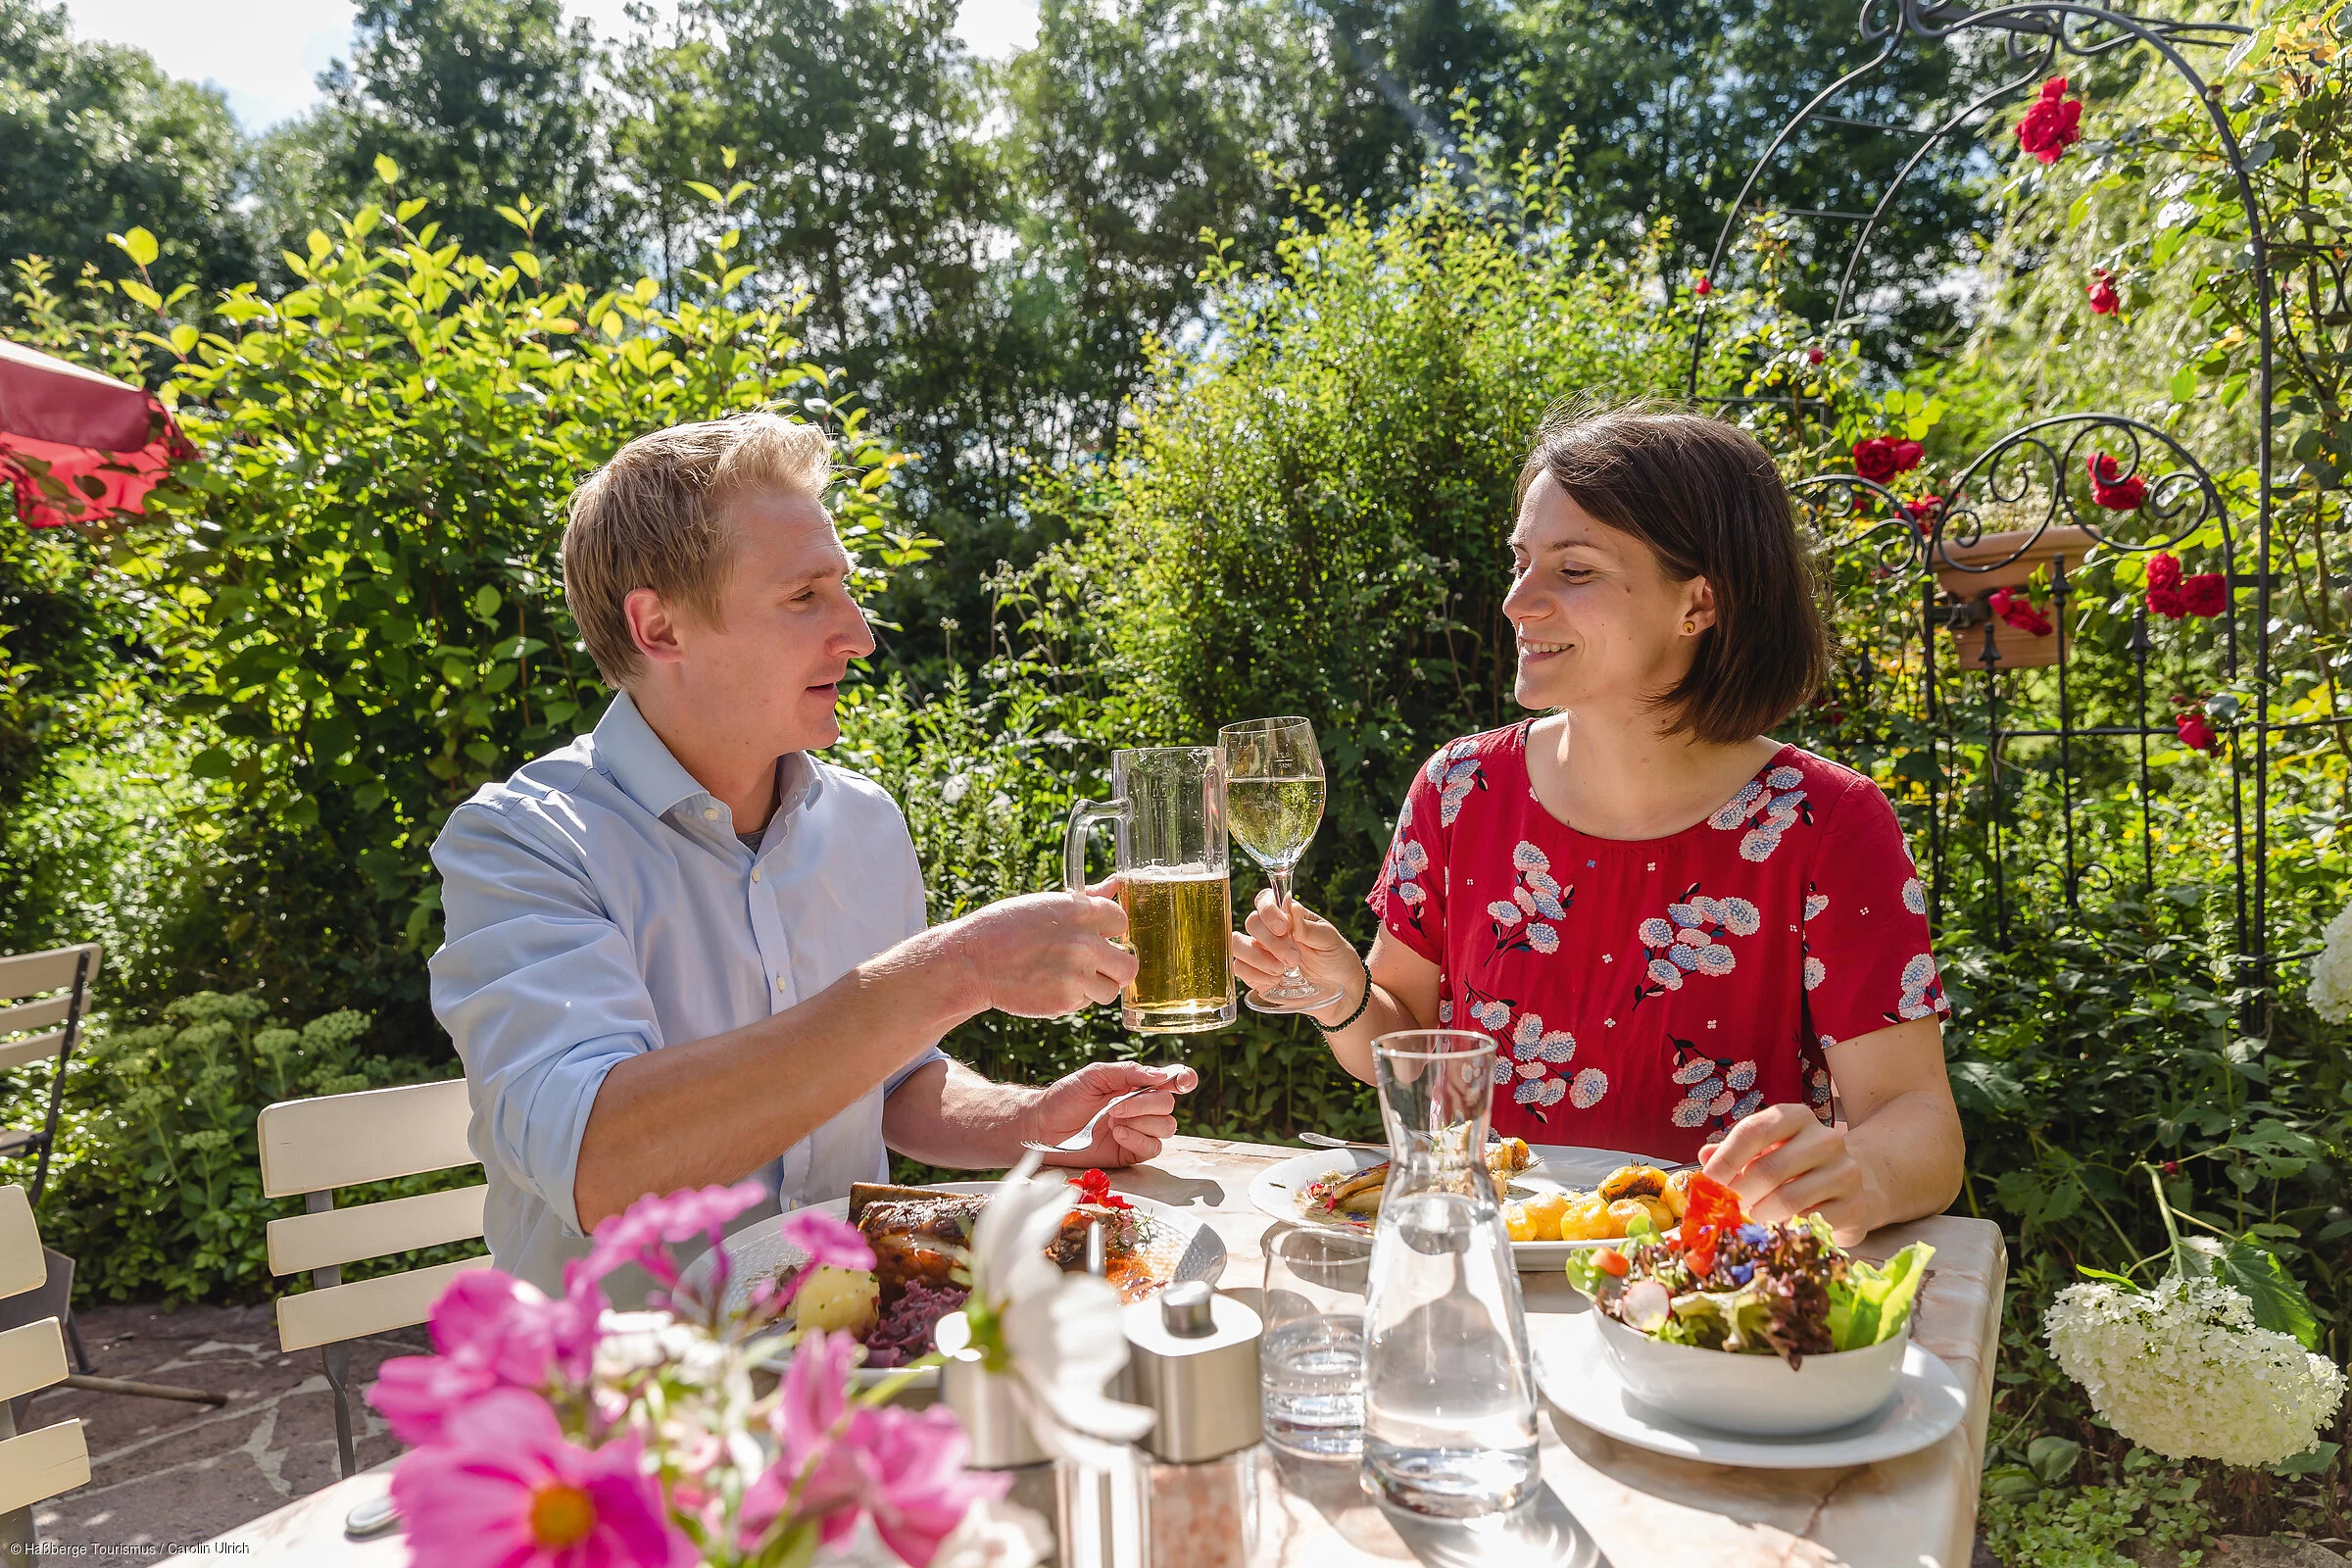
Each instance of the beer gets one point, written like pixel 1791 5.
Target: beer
pixel 1178 918
pixel 1273 818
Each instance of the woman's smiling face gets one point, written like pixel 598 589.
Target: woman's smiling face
pixel 1598 619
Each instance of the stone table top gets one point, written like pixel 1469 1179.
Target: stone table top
pixel 1601 1503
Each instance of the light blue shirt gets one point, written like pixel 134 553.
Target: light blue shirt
pixel 599 904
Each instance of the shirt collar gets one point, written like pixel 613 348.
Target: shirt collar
pixel 633 757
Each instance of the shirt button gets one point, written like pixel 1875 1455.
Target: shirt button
pixel 779 982
pixel 754 873
pixel 710 814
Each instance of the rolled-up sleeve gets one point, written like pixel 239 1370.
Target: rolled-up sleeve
pixel 541 992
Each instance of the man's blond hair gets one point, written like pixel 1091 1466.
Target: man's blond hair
pixel 654 517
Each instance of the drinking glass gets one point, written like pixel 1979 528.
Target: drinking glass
pixel 1274 794
pixel 1311 1361
pixel 1168 809
pixel 1450 1400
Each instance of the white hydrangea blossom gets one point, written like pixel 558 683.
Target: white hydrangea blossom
pixel 2332 970
pixel 2183 1369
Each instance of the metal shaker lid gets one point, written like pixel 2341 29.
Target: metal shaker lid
pixel 983 1402
pixel 1193 1358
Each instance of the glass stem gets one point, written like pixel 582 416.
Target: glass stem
pixel 1280 876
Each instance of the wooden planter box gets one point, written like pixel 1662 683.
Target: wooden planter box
pixel 2017 649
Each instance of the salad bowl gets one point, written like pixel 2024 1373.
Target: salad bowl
pixel 1754 1396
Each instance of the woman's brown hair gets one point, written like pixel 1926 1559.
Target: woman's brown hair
pixel 1709 502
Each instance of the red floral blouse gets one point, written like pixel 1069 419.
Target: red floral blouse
pixel 1645 995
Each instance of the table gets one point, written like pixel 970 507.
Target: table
pixel 1603 1502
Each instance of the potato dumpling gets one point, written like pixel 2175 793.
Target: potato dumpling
pixel 838 1300
pixel 1545 1211
pixel 1662 1217
pixel 1633 1180
pixel 1623 1211
pixel 1678 1191
pixel 1588 1220
pixel 1521 1224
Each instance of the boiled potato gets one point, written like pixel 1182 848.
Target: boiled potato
pixel 1633 1181
pixel 1623 1211
pixel 1662 1216
pixel 1678 1191
pixel 1586 1220
pixel 838 1300
pixel 1544 1212
pixel 1521 1223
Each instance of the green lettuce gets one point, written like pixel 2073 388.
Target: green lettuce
pixel 1871 1303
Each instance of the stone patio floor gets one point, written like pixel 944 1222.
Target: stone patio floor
pixel 165 1474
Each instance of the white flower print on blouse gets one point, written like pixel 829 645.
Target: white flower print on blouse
pixel 1407 863
pixel 1455 772
pixel 1915 897
pixel 1923 990
pixel 1528 1054
pixel 1814 972
pixel 1779 798
pixel 1537 898
pixel 1688 939
pixel 1716 1090
pixel 1586 1092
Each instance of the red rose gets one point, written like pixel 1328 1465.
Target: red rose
pixel 2167 602
pixel 2019 611
pixel 1704 287
pixel 2164 569
pixel 1923 512
pixel 2051 123
pixel 2205 594
pixel 2109 491
pixel 1875 461
pixel 2194 732
pixel 1814 355
pixel 2172 1167
pixel 1907 455
pixel 2103 301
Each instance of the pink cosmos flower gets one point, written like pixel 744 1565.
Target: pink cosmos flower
pixel 508 1491
pixel 640 1233
pixel 493 1331
pixel 416 1395
pixel 905 1469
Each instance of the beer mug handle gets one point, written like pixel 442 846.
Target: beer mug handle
pixel 1084 815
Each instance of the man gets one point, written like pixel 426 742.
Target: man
pixel 682 949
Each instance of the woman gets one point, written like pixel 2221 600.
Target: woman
pixel 1680 932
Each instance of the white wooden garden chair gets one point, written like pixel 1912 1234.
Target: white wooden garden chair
pixel 43 999
pixel 39 1464
pixel 311 1148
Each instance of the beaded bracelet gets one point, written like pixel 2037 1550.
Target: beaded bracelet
pixel 1335 1028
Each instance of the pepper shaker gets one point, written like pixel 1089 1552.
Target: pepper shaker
pixel 1001 1438
pixel 1192 1357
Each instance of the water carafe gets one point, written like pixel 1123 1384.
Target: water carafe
pixel 1450 1400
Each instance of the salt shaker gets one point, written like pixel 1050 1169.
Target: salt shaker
pixel 1000 1434
pixel 1192 1359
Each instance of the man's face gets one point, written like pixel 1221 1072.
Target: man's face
pixel 787 629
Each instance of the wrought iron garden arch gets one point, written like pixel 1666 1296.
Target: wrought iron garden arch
pixel 1862 521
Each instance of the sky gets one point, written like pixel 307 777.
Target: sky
pixel 265 54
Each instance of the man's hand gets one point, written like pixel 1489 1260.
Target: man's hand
pixel 1132 1130
pixel 1783 1162
pixel 1044 954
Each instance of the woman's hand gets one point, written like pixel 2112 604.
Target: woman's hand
pixel 1276 941
pixel 1783 1162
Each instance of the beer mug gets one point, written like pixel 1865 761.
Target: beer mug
pixel 1169 811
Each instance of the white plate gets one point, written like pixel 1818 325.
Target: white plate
pixel 759 1251
pixel 1574 1370
pixel 1558 1167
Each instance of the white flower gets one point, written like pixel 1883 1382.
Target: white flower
pixel 2332 970
pixel 1060 1334
pixel 2183 1369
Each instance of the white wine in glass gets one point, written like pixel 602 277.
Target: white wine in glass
pixel 1273 804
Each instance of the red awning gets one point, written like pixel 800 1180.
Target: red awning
pixel 77 446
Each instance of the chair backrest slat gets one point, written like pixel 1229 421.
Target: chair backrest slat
pixel 35 1014
pixel 311 1146
pixel 34 1048
pixel 29 975
pixel 32 1356
pixel 370 1306
pixel 41 1464
pixel 23 1267
pixel 375 1230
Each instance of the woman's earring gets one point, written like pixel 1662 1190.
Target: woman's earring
pixel 1688 625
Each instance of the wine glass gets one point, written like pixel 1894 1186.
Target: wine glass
pixel 1273 804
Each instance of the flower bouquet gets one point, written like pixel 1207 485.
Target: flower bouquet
pixel 559 1433
pixel 2214 1361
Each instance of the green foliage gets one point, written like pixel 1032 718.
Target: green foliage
pixel 2145 1508
pixel 156 1186
pixel 353 589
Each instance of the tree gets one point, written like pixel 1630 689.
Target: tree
pixel 94 139
pixel 480 103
